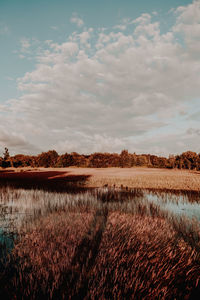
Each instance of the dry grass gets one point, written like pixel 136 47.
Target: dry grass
pixel 141 258
pixel 116 247
pixel 110 256
pixel 138 177
pixel 101 244
pixel 44 253
pixel 147 178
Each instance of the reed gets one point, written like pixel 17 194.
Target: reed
pixel 107 243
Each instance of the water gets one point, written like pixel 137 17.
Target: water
pixel 180 205
pixel 20 208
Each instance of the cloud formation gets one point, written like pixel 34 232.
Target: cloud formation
pixel 107 90
pixel 77 20
pixel 15 140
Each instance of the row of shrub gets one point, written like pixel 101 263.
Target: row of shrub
pixel 187 160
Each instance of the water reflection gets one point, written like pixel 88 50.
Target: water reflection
pixel 19 208
pixel 181 204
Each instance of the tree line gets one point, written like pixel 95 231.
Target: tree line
pixel 187 160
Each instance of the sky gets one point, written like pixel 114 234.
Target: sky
pixel 107 75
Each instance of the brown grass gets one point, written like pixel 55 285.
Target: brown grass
pixel 141 258
pixel 108 256
pixel 131 177
pixel 44 253
pixel 147 178
pixel 107 244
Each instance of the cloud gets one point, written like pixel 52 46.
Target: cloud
pixel 193 131
pixel 25 45
pixel 143 19
pixel 105 90
pixel 97 143
pixel 85 36
pixel 77 20
pixel 15 141
pixel 120 27
pixel 54 27
pixel 188 25
pixel 194 116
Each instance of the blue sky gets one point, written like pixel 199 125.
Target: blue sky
pixel 58 35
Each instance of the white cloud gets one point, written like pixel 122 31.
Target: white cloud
pixel 85 36
pixel 120 27
pixel 188 24
pixel 77 20
pixel 25 45
pixel 15 141
pixel 151 29
pixel 54 28
pixel 193 131
pixel 105 90
pixel 143 19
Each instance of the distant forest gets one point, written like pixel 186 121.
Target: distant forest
pixel 187 160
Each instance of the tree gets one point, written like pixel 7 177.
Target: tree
pixel 21 160
pixel 141 160
pixel 47 159
pixel 125 159
pixel 6 154
pixel 6 162
pixel 190 159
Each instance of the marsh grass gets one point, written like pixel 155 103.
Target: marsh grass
pixel 109 243
pixel 140 258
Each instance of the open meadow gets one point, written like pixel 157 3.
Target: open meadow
pixel 137 177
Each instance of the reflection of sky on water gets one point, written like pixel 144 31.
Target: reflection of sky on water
pixel 6 246
pixel 20 207
pixel 177 204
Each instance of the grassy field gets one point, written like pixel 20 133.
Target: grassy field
pixel 130 177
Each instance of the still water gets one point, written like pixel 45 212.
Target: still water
pixel 19 209
pixel 187 204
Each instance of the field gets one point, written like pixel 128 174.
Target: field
pixel 149 178
pixel 111 242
